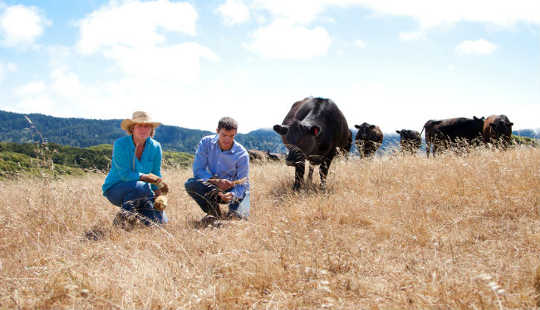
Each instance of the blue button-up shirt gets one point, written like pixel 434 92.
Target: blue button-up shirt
pixel 211 161
pixel 125 166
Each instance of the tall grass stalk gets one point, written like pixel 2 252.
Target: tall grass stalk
pixel 396 232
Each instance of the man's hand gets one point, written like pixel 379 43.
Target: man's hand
pixel 150 178
pixel 163 188
pixel 226 197
pixel 222 184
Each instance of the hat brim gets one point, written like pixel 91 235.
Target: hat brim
pixel 128 123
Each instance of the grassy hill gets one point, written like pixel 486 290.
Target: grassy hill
pixel 395 232
pixel 54 159
pixel 83 133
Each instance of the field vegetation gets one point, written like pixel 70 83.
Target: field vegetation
pixel 395 232
pixel 51 159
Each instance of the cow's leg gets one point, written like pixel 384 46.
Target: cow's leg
pixel 428 146
pixel 360 148
pixel 323 169
pixel 435 148
pixel 310 174
pixel 300 168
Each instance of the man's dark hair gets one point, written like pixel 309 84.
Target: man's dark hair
pixel 227 123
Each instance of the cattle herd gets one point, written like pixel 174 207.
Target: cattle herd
pixel 315 130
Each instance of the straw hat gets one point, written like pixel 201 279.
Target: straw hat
pixel 139 117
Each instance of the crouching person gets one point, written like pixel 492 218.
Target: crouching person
pixel 220 174
pixel 131 184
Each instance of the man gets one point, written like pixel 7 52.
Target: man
pixel 220 174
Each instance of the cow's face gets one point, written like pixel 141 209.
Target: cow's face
pixel 502 126
pixel 300 138
pixel 479 122
pixel 406 134
pixel 364 131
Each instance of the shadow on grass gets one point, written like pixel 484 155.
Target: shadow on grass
pixel 211 222
pixel 283 190
pixel 98 232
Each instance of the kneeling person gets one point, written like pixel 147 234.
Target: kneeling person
pixel 132 183
pixel 220 173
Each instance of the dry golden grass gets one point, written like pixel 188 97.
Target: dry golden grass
pixel 389 233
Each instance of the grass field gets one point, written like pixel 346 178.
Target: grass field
pixel 454 232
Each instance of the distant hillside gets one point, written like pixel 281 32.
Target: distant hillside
pixel 79 132
pixel 52 158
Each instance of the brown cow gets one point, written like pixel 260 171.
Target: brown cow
pixel 498 130
pixel 368 139
pixel 452 132
pixel 409 140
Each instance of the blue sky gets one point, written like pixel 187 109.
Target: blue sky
pixel 395 64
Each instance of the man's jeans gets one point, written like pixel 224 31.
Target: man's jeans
pixel 136 197
pixel 205 194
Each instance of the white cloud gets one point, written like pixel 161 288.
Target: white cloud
pixel 33 98
pixel 436 13
pixel 135 24
pixel 31 88
pixel 21 25
pixel 297 11
pixel 299 16
pixel 234 12
pixel 360 43
pixel 11 67
pixel 283 40
pixel 136 36
pixel 478 47
pixel 66 84
pixel 411 36
pixel 6 69
pixel 427 13
pixel 180 62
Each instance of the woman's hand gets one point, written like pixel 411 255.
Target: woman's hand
pixel 150 178
pixel 163 187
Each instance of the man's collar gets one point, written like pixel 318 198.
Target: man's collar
pixel 215 140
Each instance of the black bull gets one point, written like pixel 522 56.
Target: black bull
pixel 314 129
pixel 446 133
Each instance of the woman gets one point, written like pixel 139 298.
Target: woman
pixel 135 171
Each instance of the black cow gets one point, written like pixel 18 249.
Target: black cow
pixel 256 156
pixel 451 132
pixel 314 129
pixel 498 130
pixel 368 139
pixel 409 140
pixel 273 156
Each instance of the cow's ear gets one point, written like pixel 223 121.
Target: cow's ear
pixel 399 132
pixel 357 126
pixel 315 130
pixel 282 130
pixel 511 124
